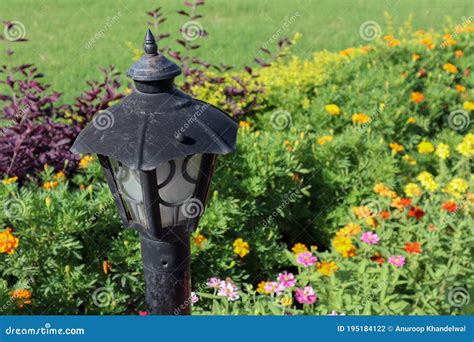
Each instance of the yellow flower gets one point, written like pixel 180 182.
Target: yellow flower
pixel 59 176
pixel 327 268
pixel 10 180
pixel 428 42
pixel 8 242
pixel 394 42
pixel 460 88
pixel 409 159
pixel 442 151
pixel 450 68
pixel 360 118
pixel 241 247
pixel 427 180
pixel 332 109
pixel 425 147
pixel 362 212
pixel 344 246
pixel 466 147
pixel 456 187
pixel 324 139
pixel 244 124
pixel 396 148
pixel 85 161
pixel 286 301
pixel 306 103
pixel 261 287
pixel 200 240
pixel 299 248
pixel 412 190
pixel 468 105
pixel 417 97
pixel 411 120
pixel 349 230
pixel 415 57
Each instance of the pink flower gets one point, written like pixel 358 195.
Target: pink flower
pixel 229 290
pixel 397 260
pixel 274 287
pixel 305 295
pixel 194 297
pixel 287 279
pixel 306 259
pixel 370 238
pixel 142 313
pixel 214 283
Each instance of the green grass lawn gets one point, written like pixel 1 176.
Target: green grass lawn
pixel 58 30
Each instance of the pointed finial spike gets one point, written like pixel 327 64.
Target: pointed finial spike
pixel 150 46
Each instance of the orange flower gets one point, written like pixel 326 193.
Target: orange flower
pixel 8 242
pixel 50 185
pixel 377 258
pixel 85 161
pixel 458 53
pixel 413 247
pixel 22 297
pixel 106 266
pixel 400 202
pixel 385 214
pixel 200 240
pixel 362 212
pixel 450 206
pixel 460 88
pixel 417 97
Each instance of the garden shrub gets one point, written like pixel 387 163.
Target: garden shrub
pixel 361 160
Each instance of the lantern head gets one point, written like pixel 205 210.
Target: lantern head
pixel 158 147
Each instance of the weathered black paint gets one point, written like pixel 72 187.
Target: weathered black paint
pixel 156 124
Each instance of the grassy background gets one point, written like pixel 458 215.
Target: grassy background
pixel 58 30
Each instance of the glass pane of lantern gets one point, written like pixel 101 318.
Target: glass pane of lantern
pixel 177 180
pixel 128 183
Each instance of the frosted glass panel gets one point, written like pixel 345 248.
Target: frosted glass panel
pixel 177 181
pixel 128 183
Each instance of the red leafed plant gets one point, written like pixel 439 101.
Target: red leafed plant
pixel 35 129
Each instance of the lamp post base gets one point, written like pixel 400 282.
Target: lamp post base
pixel 166 264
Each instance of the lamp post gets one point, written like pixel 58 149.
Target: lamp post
pixel 158 149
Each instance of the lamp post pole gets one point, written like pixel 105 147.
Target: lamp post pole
pixel 166 264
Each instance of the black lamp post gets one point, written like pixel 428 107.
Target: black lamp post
pixel 158 149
